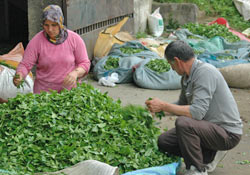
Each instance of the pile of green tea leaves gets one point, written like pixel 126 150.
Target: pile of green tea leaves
pixel 211 31
pixel 158 65
pixel 50 131
pixel 112 63
pixel 129 50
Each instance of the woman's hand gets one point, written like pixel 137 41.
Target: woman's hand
pixel 70 79
pixel 18 78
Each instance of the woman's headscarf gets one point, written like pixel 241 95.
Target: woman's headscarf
pixel 54 13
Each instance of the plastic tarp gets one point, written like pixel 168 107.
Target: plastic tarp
pixel 219 63
pixel 86 167
pixel 215 47
pixel 146 78
pixel 183 34
pixel 212 45
pixel 169 169
pixel 146 53
pixel 124 71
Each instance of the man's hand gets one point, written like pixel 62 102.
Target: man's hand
pixel 154 105
pixel 18 79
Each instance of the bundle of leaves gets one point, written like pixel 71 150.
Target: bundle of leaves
pixel 111 63
pixel 158 65
pixel 129 50
pixel 50 131
pixel 211 31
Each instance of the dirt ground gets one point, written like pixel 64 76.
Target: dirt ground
pixel 233 164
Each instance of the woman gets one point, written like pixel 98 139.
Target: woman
pixel 59 54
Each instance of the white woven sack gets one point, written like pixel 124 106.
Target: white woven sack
pixel 155 22
pixel 237 76
pixel 8 89
pixel 243 6
pixel 89 167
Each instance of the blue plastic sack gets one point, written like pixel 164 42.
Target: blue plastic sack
pixel 169 169
pixel 146 78
pixel 212 59
pixel 124 71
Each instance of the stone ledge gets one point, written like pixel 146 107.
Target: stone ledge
pixel 181 12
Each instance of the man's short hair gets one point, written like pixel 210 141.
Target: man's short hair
pixel 179 49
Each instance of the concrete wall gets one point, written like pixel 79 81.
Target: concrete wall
pixel 183 12
pixel 35 8
pixel 3 18
pixel 88 18
pixel 80 14
pixel 142 8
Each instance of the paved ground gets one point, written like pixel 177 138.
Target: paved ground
pixel 233 164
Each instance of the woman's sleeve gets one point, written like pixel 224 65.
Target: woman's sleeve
pixel 81 55
pixel 29 58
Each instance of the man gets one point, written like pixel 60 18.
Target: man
pixel 208 120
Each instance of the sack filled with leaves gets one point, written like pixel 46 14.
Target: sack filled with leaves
pixel 156 74
pixel 123 66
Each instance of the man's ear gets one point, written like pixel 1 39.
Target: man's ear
pixel 177 60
